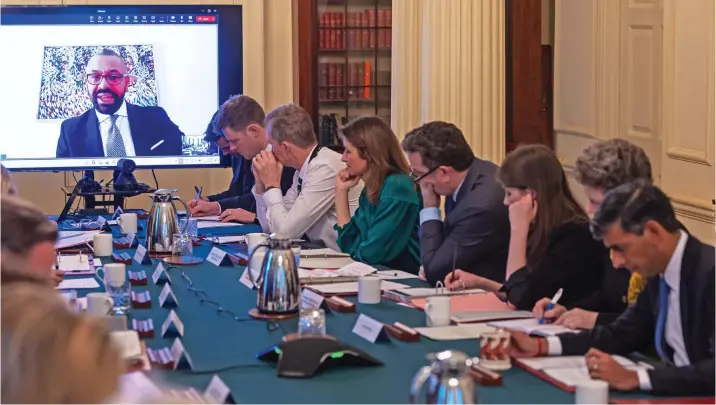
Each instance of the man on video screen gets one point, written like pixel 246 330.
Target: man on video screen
pixel 114 127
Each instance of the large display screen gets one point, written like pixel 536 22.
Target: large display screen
pixel 84 86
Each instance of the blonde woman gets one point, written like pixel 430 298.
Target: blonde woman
pixel 51 354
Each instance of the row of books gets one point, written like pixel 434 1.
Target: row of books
pixel 348 81
pixel 355 30
pixel 365 18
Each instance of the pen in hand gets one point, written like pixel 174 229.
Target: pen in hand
pixel 551 304
pixel 197 197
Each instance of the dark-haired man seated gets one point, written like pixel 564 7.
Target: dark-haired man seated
pixel 675 312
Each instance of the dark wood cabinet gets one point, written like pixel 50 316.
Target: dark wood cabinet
pixel 344 62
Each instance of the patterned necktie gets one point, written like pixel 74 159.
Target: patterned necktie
pixel 660 336
pixel 115 144
pixel 300 185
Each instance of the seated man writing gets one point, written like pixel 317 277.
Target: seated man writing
pixel 241 121
pixel 675 312
pixel 308 207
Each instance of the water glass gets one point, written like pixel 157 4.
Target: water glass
pixel 192 227
pixel 296 249
pixel 183 245
pixel 116 285
pixel 312 322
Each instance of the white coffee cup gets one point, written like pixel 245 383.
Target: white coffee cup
pixel 591 392
pixel 255 239
pixel 115 274
pixel 369 290
pixel 99 304
pixel 128 223
pixel 437 311
pixel 102 244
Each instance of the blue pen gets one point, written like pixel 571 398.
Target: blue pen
pixel 551 304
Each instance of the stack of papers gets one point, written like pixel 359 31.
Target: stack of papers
pixel 208 218
pixel 67 239
pixel 532 327
pixel 485 316
pixel 459 332
pixel 324 259
pixel 572 370
pixel 395 275
pixel 351 271
pixel 78 284
pixel 229 239
pixel 351 287
pixel 431 292
pixel 213 224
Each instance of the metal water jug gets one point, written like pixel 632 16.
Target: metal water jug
pixel 447 379
pixel 163 223
pixel 279 290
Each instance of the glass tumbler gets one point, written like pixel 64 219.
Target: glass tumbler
pixel 183 245
pixel 192 228
pixel 312 322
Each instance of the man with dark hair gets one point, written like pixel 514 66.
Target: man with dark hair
pixel 240 120
pixel 115 128
pixel 476 231
pixel 675 312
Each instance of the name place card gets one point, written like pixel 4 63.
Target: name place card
pixel 173 324
pixel 217 392
pixel 218 257
pixel 140 256
pixel 311 299
pixel 101 221
pixel 161 275
pixel 145 328
pixel 370 329
pixel 167 297
pixel 181 356
pixel 245 278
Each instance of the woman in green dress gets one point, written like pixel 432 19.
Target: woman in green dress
pixel 384 229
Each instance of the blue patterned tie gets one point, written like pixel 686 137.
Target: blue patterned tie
pixel 660 337
pixel 115 144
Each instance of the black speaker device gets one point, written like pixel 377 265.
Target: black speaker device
pixel 304 357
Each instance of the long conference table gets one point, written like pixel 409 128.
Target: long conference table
pixel 219 344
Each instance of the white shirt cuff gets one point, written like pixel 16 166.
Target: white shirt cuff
pixel 220 209
pixel 272 197
pixel 644 380
pixel 430 214
pixel 554 346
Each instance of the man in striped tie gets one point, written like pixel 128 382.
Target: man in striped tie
pixel 114 127
pixel 674 313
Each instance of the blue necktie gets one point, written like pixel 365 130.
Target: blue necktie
pixel 660 336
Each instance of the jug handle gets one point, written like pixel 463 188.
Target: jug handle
pixel 418 382
pixel 251 255
pixel 188 212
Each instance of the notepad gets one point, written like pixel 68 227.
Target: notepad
pixel 75 238
pixel 74 263
pixel 458 332
pixel 230 239
pixel 212 224
pixel 395 275
pixel 533 327
pixel 572 370
pixel 486 316
pixel 208 218
pixel 78 284
pixel 352 287
pixel 431 292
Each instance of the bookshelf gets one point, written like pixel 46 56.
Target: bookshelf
pixel 346 61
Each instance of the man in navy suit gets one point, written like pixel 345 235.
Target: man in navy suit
pixel 115 128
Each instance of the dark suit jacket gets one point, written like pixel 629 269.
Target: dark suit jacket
pixel 235 187
pixel 634 329
pixel 478 224
pixel 80 136
pixel 610 300
pixel 244 181
pixel 572 261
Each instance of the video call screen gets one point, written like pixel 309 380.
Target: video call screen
pixel 84 86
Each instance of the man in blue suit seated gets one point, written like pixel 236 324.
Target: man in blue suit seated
pixel 115 128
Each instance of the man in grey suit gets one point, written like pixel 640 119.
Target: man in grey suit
pixel 476 231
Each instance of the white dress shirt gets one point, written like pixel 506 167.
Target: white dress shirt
pixel 122 124
pixel 312 211
pixel 433 213
pixel 673 333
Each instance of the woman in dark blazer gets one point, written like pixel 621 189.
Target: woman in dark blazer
pixel 551 247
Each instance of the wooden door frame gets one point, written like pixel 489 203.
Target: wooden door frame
pixel 307 10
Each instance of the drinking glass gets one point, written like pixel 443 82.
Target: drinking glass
pixel 312 322
pixel 183 245
pixel 192 229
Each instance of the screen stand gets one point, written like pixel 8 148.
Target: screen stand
pixel 90 201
